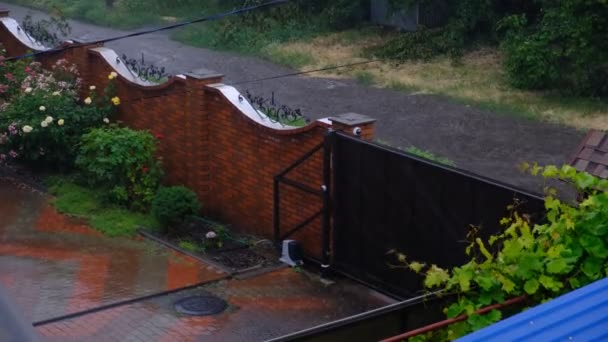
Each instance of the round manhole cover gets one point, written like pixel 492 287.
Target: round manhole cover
pixel 200 305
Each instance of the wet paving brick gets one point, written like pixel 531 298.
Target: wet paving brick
pixel 52 265
pixel 260 308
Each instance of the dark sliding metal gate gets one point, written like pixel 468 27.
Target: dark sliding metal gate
pixel 389 200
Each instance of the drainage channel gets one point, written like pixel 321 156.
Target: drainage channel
pixel 128 302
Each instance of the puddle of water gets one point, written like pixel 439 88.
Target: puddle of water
pixel 70 267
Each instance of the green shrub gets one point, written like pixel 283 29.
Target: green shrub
pixel 566 50
pixel 13 73
pixel 41 124
pixel 174 204
pixel 121 160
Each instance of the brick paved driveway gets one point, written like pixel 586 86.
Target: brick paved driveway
pixel 52 266
pixel 260 308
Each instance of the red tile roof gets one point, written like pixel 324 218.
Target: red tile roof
pixel 592 154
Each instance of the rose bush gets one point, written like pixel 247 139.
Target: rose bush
pixel 42 123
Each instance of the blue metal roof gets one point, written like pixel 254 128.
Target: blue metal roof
pixel 580 315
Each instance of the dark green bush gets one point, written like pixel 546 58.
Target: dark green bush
pixel 174 204
pixel 470 22
pixel 121 160
pixel 567 50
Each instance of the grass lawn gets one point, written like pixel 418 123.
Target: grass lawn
pixel 75 200
pixel 477 80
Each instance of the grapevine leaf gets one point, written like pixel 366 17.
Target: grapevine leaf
pixel 574 282
pixel 594 245
pixel 485 281
pixel 436 276
pixel 507 284
pixel 464 275
pixel 550 172
pixel 457 330
pixel 584 181
pixel 603 185
pixel 567 171
pixel 416 266
pixel 598 229
pixel 535 169
pixel 531 286
pixel 555 251
pixel 592 267
pixel 528 265
pixel 552 203
pixel 558 266
pixel 511 249
pixel 454 310
pixel 485 298
pixel 550 283
pixel 494 316
pixel 477 321
pixel 401 257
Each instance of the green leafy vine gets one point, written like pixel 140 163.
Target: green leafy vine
pixel 540 260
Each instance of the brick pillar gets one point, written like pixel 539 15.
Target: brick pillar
pixel 196 143
pixel 354 124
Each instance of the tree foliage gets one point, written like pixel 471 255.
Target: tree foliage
pixel 555 45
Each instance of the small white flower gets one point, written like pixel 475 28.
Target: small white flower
pixel 88 100
pixel 60 122
pixel 92 87
pixel 106 120
pixel 211 235
pixel 28 90
pixel 49 119
pixel 44 124
pixel 42 108
pixel 56 93
pixel 27 129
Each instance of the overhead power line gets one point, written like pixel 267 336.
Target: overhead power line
pixel 218 16
pixel 306 72
pixel 267 78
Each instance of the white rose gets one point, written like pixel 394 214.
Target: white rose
pixel 44 124
pixel 60 122
pixel 27 129
pixel 106 120
pixel 88 100
pixel 56 93
pixel 42 108
pixel 49 119
pixel 28 90
pixel 211 235
pixel 92 87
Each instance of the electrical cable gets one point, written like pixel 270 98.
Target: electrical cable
pixel 277 76
pixel 306 72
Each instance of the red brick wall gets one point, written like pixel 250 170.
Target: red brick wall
pixel 211 147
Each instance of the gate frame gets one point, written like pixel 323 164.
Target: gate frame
pixel 325 193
